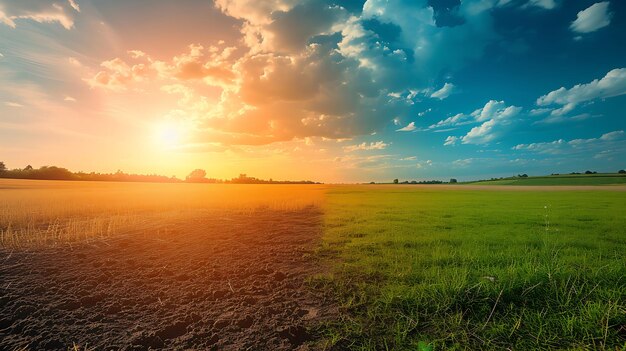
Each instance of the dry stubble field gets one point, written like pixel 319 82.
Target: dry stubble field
pixel 136 266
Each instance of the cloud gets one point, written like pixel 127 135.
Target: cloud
pixel 552 119
pixel 444 92
pixel 118 74
pixel 409 128
pixel 611 85
pixel 69 99
pixel 562 146
pixel 311 68
pixel 74 5
pixel 465 162
pixel 496 119
pixel 497 110
pixel 13 104
pixel 74 62
pixel 423 113
pixel 42 11
pixel 451 140
pixel 593 18
pixel 546 4
pixel 212 65
pixel 616 135
pixel 454 121
pixel 539 111
pixel 482 134
pixel 492 129
pixel 377 145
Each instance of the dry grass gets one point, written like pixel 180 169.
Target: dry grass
pixel 54 212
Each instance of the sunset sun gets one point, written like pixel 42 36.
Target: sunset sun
pixel 169 134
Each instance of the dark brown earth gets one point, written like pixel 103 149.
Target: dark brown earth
pixel 227 281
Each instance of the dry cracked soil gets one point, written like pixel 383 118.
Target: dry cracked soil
pixel 224 281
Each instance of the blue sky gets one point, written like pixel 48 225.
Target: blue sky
pixel 330 90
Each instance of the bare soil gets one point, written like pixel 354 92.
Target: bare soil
pixel 227 281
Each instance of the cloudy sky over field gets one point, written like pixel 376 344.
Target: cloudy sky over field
pixel 324 90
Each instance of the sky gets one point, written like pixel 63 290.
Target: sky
pixel 327 90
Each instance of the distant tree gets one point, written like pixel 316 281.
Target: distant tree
pixel 395 181
pixel 197 175
pixel 3 167
pixel 52 173
pixel 621 171
pixel 452 180
pixel 588 172
pixel 28 168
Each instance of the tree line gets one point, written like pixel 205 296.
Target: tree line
pixel 196 176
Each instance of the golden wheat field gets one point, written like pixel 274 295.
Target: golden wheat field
pixel 35 212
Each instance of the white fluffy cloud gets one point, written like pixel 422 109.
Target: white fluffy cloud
pixel 451 140
pixel 616 135
pixel 42 11
pixel 495 118
pixel 483 133
pixel 453 121
pixel 409 128
pixel 562 146
pixel 377 145
pixel 444 92
pixel 612 84
pixel 592 18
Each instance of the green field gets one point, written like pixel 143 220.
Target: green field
pixel 565 179
pixel 429 269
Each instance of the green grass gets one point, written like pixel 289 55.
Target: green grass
pixel 427 269
pixel 565 179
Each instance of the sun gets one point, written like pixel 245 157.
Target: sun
pixel 169 134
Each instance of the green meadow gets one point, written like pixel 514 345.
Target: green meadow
pixel 431 269
pixel 564 179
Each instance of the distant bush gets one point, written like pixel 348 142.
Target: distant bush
pixel 621 171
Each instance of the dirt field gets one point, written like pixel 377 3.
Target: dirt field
pixel 227 280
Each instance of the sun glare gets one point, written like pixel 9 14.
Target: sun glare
pixel 169 134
